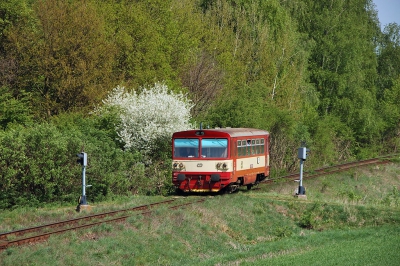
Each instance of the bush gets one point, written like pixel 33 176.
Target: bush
pixel 35 165
pixel 38 164
pixel 13 110
pixel 146 118
pixel 128 147
pixel 144 124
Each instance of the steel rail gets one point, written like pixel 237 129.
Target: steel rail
pixel 76 220
pixel 333 169
pixel 44 236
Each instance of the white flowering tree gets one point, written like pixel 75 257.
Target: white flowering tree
pixel 149 116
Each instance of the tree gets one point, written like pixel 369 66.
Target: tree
pixel 13 15
pixel 63 56
pixel 389 85
pixel 264 63
pixel 203 79
pixel 343 62
pixel 13 110
pixel 388 57
pixel 154 39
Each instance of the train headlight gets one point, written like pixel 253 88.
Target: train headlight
pixel 221 166
pixel 178 166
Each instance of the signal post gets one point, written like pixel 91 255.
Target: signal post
pixel 302 155
pixel 82 203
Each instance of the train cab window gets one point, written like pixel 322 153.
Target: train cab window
pixel 214 148
pixel 188 148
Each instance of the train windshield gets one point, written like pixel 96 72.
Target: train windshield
pixel 210 148
pixel 214 148
pixel 186 148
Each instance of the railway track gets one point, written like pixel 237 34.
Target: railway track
pixel 334 169
pixel 43 232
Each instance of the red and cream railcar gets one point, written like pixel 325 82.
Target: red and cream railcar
pixel 212 160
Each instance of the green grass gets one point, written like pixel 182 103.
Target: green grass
pixel 366 246
pixel 267 226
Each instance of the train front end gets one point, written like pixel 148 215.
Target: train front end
pixel 201 161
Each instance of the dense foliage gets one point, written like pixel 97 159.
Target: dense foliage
pixel 315 71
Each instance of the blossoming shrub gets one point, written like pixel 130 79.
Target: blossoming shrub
pixel 153 114
pixel 147 121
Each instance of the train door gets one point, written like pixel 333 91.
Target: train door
pixel 233 155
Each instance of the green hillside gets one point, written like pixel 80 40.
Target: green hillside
pixel 349 218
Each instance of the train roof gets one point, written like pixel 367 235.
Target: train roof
pixel 233 132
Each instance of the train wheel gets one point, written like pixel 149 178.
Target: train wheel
pixel 249 186
pixel 180 192
pixel 232 188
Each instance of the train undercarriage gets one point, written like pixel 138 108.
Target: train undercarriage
pixel 195 184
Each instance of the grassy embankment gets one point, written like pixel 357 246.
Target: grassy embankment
pixel 350 218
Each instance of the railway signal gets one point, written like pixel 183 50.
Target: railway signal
pixel 82 160
pixel 302 155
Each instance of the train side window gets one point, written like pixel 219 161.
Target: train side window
pixel 243 148
pixel 248 149
pixel 262 145
pixel 253 146
pixel 258 148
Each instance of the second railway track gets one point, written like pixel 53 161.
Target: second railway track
pixel 334 169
